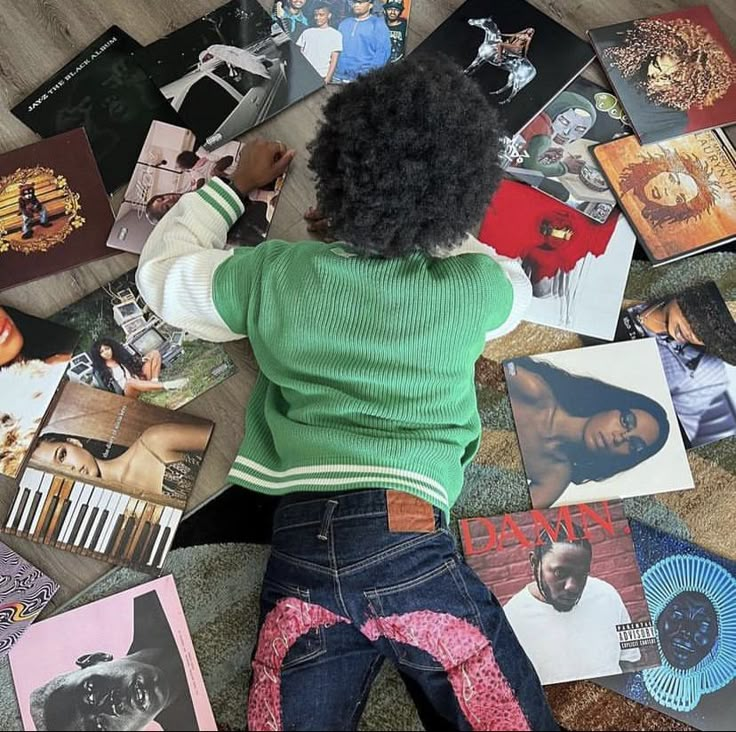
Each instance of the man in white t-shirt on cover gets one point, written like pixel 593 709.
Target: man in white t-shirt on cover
pixel 321 44
pixel 566 620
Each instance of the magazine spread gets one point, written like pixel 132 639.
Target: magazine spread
pixel 679 196
pixel 674 73
pixel 519 56
pixel 34 354
pixel 105 91
pixel 553 153
pixel 570 587
pixel 596 424
pixel 228 71
pixel 169 165
pixel 691 594
pixel 54 212
pixel 109 477
pixel 132 652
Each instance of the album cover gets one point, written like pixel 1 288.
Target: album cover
pixel 229 71
pixel 105 91
pixel 54 213
pixel 679 196
pixel 123 662
pixel 34 354
pixel 674 73
pixel 696 339
pixel 126 349
pixel 24 593
pixel 691 594
pixel 519 56
pixel 570 587
pixel 170 165
pixel 596 424
pixel 553 153
pixel 578 268
pixel 341 39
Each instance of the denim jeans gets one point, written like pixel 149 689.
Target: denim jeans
pixel 342 594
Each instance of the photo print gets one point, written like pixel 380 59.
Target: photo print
pixel 507 46
pixel 169 165
pixel 570 587
pixel 126 349
pixel 228 71
pixel 106 92
pixel 596 424
pixel 54 211
pixel 131 650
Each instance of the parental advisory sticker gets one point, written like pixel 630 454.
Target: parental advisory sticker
pixel 636 635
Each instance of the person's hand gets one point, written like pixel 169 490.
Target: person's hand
pixel 261 162
pixel 319 224
pixel 278 8
pixel 574 163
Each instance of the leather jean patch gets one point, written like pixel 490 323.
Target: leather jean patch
pixel 407 513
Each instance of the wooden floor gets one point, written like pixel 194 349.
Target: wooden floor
pixel 40 36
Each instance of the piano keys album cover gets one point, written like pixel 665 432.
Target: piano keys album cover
pixel 130 653
pixel 126 349
pixel 24 593
pixel 229 71
pixel 105 91
pixel 569 585
pixel 169 165
pixel 54 213
pixel 578 268
pixel 34 354
pixel 109 477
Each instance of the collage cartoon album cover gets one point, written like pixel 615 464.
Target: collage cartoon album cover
pixel 169 165
pixel 578 268
pixel 553 152
pixel 679 196
pixel 570 587
pixel 696 340
pixel 54 212
pixel 34 354
pixel 124 348
pixel 691 594
pixel 596 424
pixel 132 651
pixel 518 55
pixel 105 91
pixel 228 71
pixel 674 73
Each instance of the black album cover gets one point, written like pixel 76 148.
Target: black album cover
pixel 103 90
pixel 229 71
pixel 519 56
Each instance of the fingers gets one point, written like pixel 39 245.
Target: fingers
pixel 283 162
pixel 313 214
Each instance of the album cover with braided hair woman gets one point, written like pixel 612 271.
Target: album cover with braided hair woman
pixel 674 73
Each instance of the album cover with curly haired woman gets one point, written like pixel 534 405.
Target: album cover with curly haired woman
pixel 674 73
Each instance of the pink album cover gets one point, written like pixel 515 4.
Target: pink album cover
pixel 123 662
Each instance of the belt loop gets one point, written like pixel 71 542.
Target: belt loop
pixel 326 518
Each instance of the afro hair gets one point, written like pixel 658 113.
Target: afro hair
pixel 407 158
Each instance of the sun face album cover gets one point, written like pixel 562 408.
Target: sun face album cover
pixel 578 268
pixel 674 73
pixel 170 165
pixel 229 71
pixel 680 196
pixel 553 153
pixel 691 594
pixel 696 339
pixel 325 31
pixel 125 349
pixel 54 213
pixel 569 585
pixel 596 424
pixel 34 354
pixel 123 662
pixel 24 593
pixel 103 90
pixel 507 46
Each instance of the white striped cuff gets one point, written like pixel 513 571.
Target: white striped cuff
pixel 222 199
